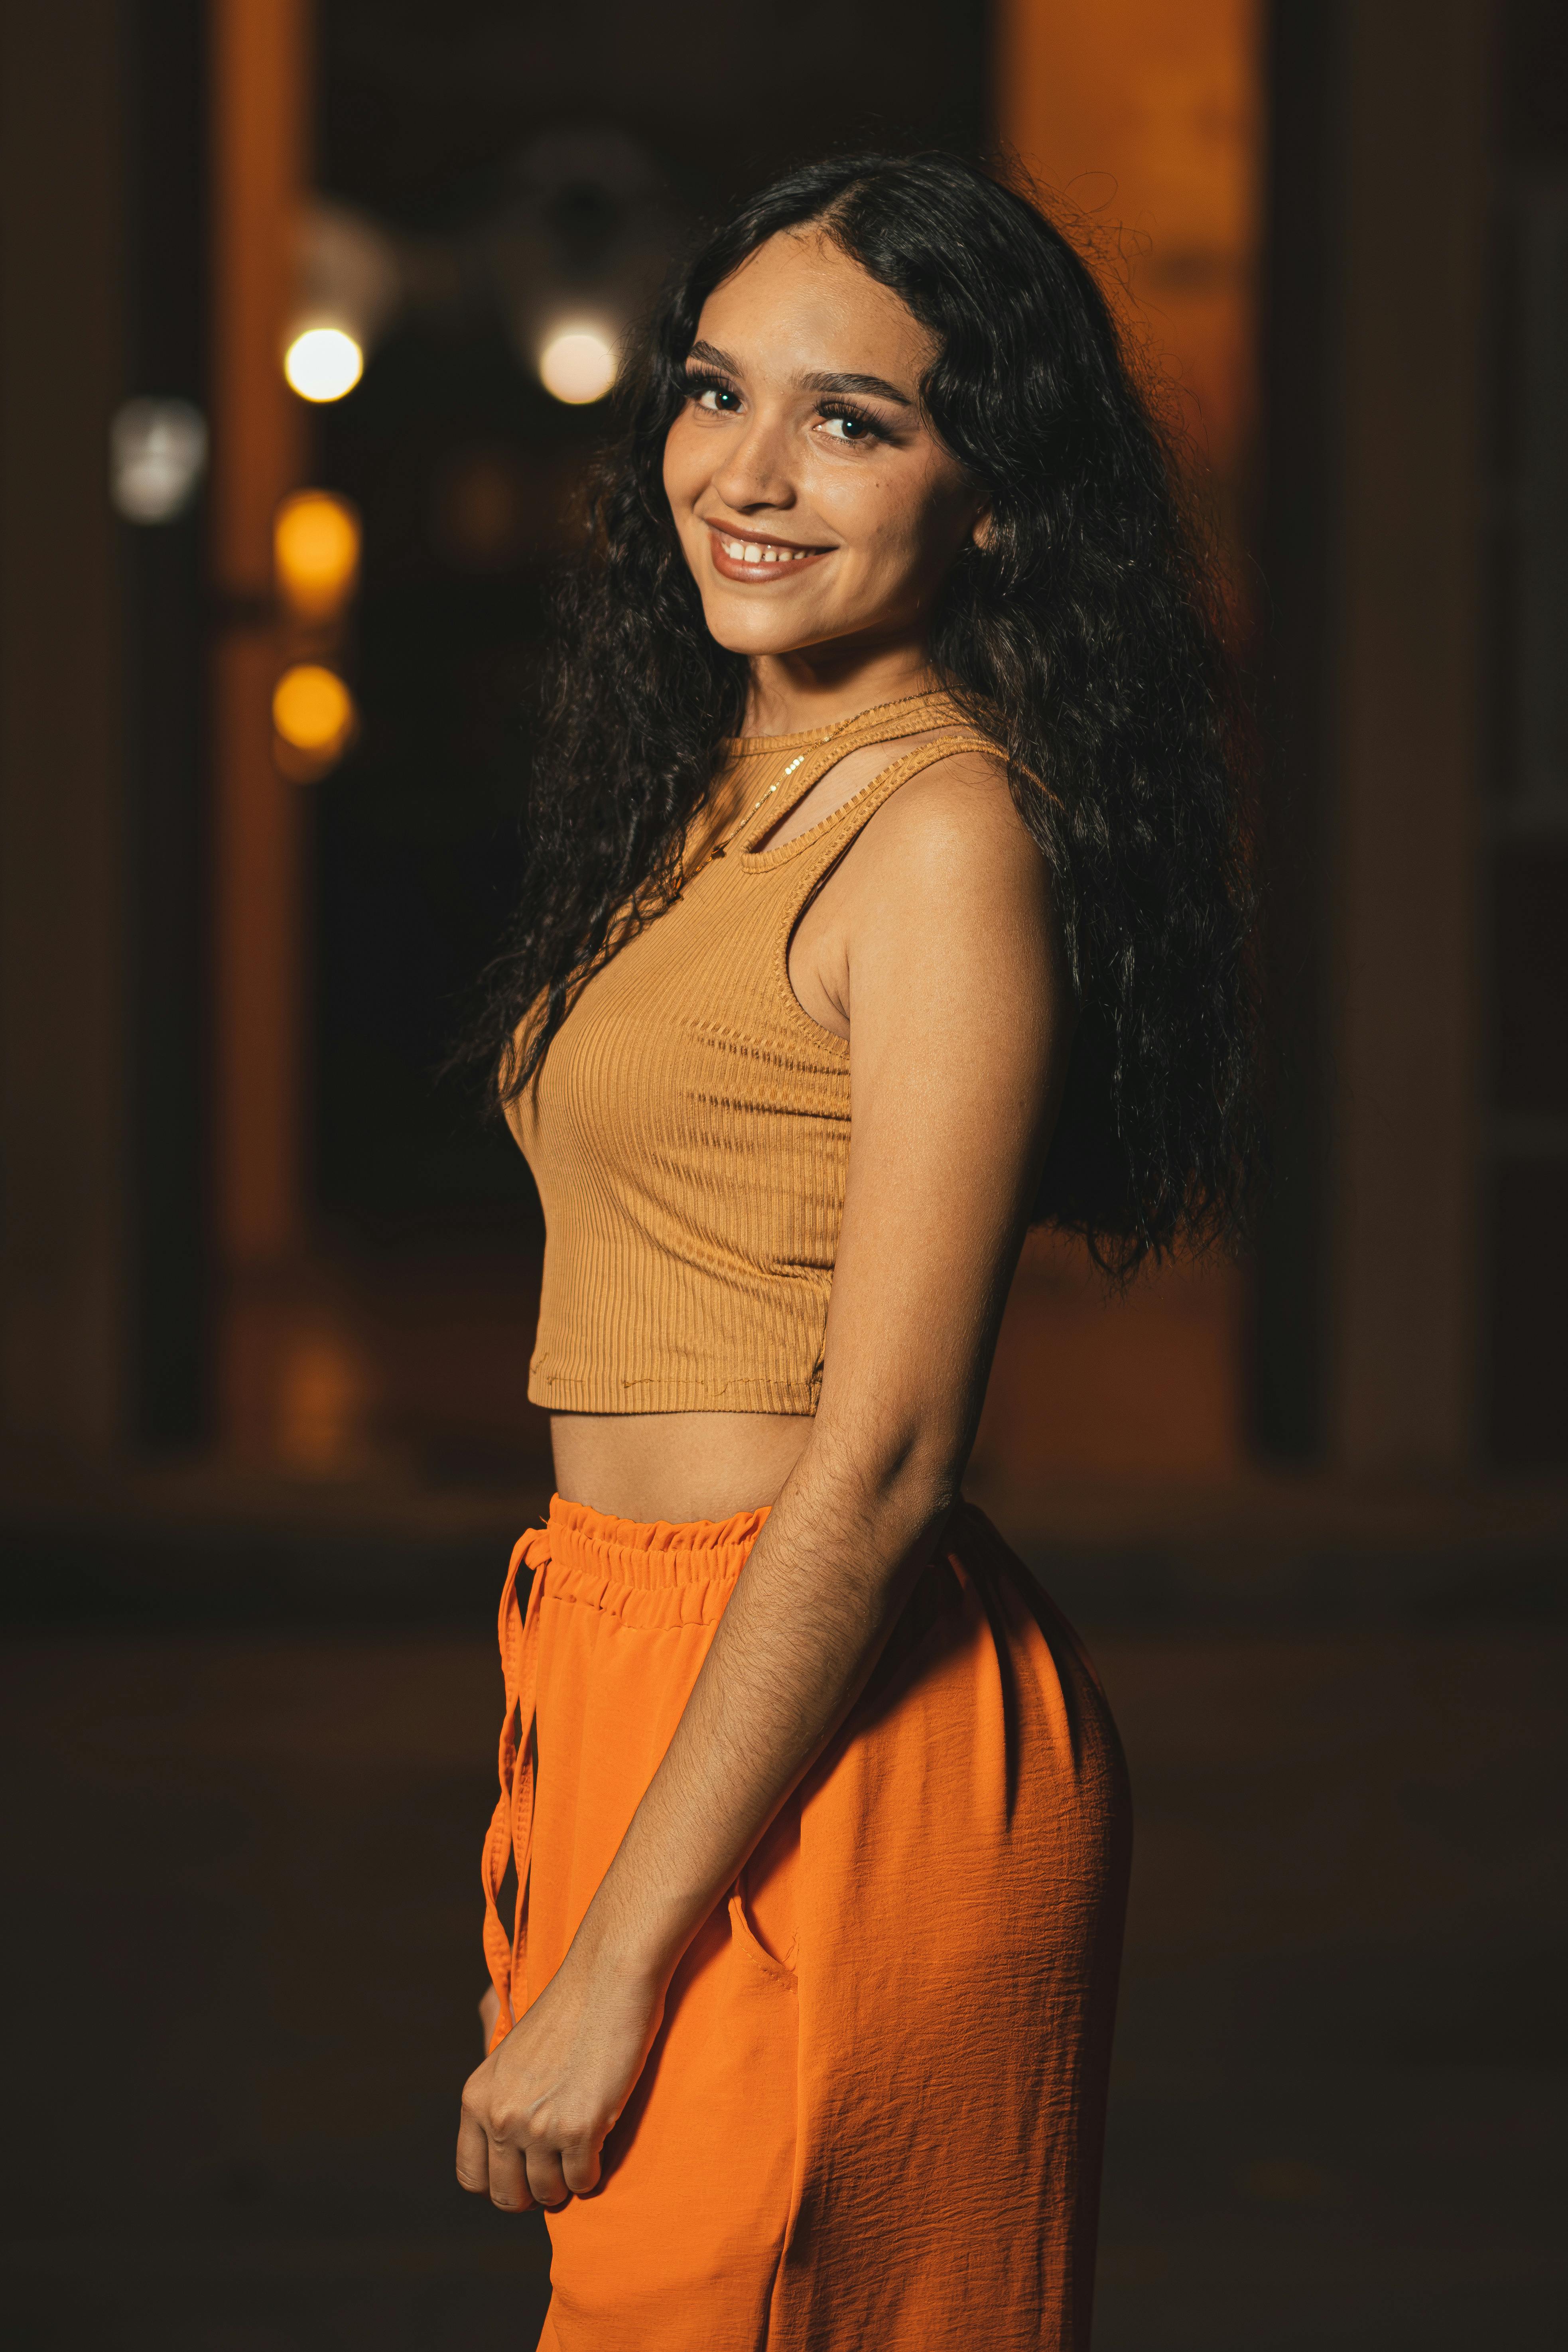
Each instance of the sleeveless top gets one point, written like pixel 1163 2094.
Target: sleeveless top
pixel 688 1131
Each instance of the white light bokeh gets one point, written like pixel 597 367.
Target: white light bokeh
pixel 157 456
pixel 577 363
pixel 323 363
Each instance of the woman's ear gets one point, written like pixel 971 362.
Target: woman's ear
pixel 981 533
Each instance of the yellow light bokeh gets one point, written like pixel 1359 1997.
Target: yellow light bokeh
pixel 313 713
pixel 577 363
pixel 323 363
pixel 316 551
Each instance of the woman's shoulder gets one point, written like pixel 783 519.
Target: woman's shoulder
pixel 946 878
pixel 955 822
pixel 949 852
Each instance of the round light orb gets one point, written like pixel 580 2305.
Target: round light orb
pixel 578 365
pixel 315 552
pixel 323 363
pixel 157 456
pixel 313 711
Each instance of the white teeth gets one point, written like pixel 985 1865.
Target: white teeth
pixel 749 550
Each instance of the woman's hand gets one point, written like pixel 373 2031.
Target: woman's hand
pixel 536 2114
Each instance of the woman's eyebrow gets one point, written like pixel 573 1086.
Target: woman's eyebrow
pixel 709 355
pixel 877 385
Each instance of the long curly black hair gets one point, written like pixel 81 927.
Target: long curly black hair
pixel 1085 638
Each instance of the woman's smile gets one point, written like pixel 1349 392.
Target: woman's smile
pixel 749 556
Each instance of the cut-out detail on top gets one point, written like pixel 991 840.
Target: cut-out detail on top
pixel 756 842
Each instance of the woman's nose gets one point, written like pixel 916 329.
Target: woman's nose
pixel 755 472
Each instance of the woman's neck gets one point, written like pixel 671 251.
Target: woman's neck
pixel 791 693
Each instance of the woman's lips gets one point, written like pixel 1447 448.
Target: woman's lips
pixel 755 560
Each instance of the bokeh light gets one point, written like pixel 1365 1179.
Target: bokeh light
pixel 157 456
pixel 323 363
pixel 577 363
pixel 314 717
pixel 316 551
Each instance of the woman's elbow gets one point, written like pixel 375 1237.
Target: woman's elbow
pixel 900 1474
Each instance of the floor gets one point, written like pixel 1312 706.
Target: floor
pixel 240 2004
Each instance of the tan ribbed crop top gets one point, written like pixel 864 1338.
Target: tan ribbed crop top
pixel 690 1128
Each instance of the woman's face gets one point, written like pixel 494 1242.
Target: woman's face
pixel 813 501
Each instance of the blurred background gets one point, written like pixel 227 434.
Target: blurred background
pixel 308 310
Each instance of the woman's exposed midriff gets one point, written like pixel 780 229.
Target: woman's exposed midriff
pixel 676 1465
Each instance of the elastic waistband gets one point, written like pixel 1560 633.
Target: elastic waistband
pixel 649 1573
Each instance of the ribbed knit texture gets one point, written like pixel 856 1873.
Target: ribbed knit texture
pixel 689 1129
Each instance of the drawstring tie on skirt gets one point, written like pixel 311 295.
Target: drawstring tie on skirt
pixel 511 1824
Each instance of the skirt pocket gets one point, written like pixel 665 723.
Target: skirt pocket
pixel 750 1945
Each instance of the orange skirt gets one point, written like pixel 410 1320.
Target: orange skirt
pixel 873 2116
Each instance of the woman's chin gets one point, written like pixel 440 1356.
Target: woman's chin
pixel 749 628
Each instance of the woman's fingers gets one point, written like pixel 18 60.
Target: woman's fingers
pixel 490 2160
pixel 581 2168
pixel 473 2138
pixel 546 2180
pixel 500 2159
pixel 511 2186
pixel 535 2113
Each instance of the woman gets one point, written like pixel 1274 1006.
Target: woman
pixel 888 763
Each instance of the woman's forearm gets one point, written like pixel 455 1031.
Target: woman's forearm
pixel 809 1615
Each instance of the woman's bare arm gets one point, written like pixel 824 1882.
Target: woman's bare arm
pixel 960 1020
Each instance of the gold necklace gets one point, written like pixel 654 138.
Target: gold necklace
pixel 720 849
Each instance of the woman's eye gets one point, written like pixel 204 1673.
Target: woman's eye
pixel 715 398
pixel 853 429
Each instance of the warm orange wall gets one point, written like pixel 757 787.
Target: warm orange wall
pixel 260 106
pixel 1141 119
pixel 1146 115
